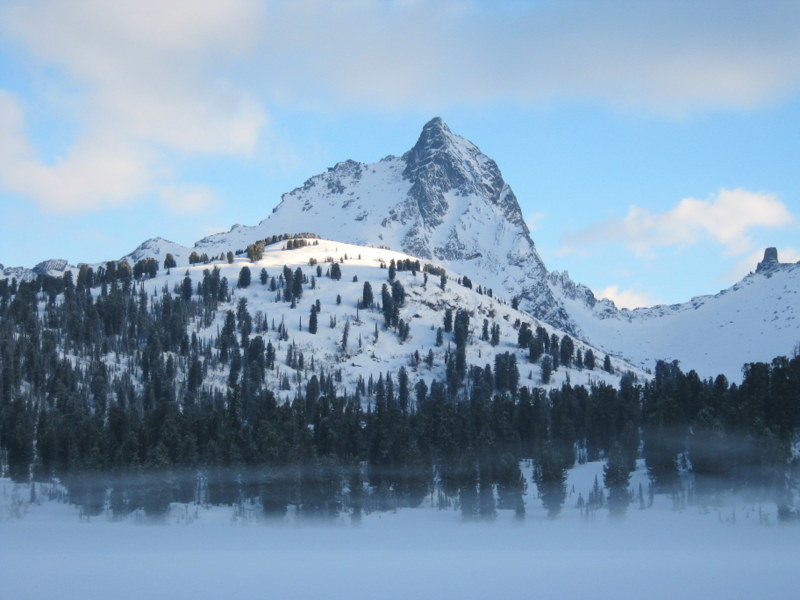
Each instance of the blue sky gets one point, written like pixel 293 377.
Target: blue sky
pixel 653 146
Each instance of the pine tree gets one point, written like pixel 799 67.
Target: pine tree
pixel 550 476
pixel 345 335
pixel 588 360
pixel 312 320
pixel 616 475
pixel 367 298
pixel 495 339
pixel 336 272
pixel 244 278
pixel 297 283
pixel 255 252
pixel 567 350
pixel 186 288
pixel 547 369
pixel 398 293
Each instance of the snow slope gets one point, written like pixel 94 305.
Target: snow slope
pixel 753 320
pixel 423 311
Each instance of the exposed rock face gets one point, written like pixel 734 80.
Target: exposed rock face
pixel 54 267
pixel 769 262
pixel 51 266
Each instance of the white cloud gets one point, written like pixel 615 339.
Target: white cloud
pixel 726 218
pixel 748 264
pixel 96 171
pixel 149 69
pixel 627 298
pixel 151 80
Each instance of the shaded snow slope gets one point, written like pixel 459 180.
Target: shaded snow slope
pixel 753 320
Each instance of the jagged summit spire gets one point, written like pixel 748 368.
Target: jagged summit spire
pixel 770 260
pixel 435 135
pixel 436 123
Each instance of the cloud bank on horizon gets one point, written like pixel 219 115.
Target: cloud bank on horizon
pixel 726 217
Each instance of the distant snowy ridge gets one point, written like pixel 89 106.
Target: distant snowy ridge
pixel 53 266
pixel 754 320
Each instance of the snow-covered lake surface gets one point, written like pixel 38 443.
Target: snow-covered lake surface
pixel 663 551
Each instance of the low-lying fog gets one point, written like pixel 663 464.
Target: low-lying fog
pixel 673 547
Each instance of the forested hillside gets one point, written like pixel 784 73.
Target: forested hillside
pixel 362 380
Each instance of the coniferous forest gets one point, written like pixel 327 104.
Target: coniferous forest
pixel 107 391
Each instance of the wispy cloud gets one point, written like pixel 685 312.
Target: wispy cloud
pixel 726 218
pixel 656 56
pixel 188 199
pixel 535 219
pixel 627 298
pixel 98 170
pixel 151 79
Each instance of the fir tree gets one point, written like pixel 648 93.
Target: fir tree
pixel 244 278
pixel 367 299
pixel 312 320
pixel 588 360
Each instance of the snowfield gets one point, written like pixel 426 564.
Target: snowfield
pixel 754 320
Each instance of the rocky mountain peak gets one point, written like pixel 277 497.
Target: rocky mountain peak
pixel 442 162
pixel 435 135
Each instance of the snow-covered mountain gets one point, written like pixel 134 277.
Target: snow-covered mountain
pixel 445 201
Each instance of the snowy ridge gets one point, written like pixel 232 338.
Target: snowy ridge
pixel 54 267
pixel 754 320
